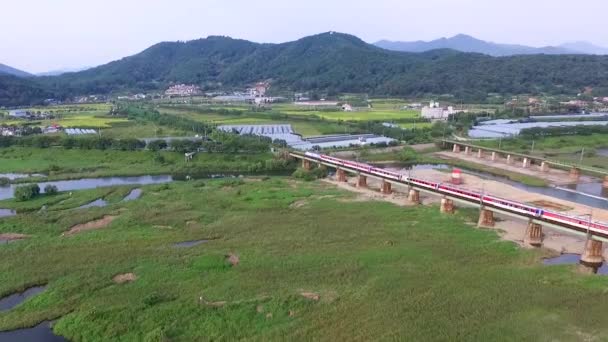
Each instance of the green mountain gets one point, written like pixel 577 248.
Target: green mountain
pixel 7 70
pixel 17 91
pixel 333 63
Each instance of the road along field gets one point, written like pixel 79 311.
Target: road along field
pixel 284 260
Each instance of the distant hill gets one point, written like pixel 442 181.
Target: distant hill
pixel 7 70
pixel 17 91
pixel 61 71
pixel 465 43
pixel 585 47
pixel 331 63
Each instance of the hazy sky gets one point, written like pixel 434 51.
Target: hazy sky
pixel 42 35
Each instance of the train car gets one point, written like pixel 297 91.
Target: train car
pixel 512 205
pixel 459 192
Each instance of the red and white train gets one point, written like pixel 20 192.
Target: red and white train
pixel 582 225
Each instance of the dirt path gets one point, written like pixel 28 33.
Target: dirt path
pixel 555 176
pixel 92 225
pixel 12 236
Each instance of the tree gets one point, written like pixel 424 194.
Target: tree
pixel 27 192
pixel 157 145
pixel 50 189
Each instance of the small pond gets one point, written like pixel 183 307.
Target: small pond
pixel 98 203
pixel 15 299
pixel 133 195
pixel 573 259
pixel 7 212
pixel 40 333
pixel 186 244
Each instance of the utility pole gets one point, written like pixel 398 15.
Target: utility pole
pixel 533 141
pixel 580 162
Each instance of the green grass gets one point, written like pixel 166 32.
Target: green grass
pixel 382 272
pixel 60 163
pixel 142 129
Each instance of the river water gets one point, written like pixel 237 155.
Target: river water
pixel 40 333
pixel 91 183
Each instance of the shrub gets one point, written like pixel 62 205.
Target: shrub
pixel 310 175
pixel 51 189
pixel 4 181
pixel 158 158
pixel 232 182
pixel 27 192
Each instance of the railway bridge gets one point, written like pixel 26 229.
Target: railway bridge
pixel 591 256
pixel 525 160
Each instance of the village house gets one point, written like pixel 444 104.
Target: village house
pixel 183 90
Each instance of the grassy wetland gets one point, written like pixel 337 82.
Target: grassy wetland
pixel 307 261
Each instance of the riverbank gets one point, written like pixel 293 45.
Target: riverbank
pixel 64 164
pixel 284 259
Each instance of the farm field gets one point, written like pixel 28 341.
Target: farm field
pixel 80 116
pixel 61 163
pixel 304 127
pixel 308 262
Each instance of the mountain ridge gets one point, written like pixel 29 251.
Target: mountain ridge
pixel 467 43
pixel 8 70
pixel 329 63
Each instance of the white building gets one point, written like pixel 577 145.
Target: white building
pixel 347 108
pixel 436 112
pixel 18 113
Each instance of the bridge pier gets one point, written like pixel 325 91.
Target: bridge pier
pixel 526 163
pixel 467 150
pixel 534 234
pixel 575 174
pixel 306 164
pixel 414 196
pixel 544 167
pixel 480 154
pixel 456 148
pixel 509 159
pixel 362 181
pixel 592 255
pixel 486 218
pixel 447 206
pixel 456 176
pixel 341 175
pixel 493 157
pixel 386 188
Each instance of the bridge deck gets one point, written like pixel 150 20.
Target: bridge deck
pixel 463 200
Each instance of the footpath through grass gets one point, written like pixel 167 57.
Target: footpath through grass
pixel 380 271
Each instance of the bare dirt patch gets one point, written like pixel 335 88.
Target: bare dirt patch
pixel 13 237
pixel 298 204
pixel 92 225
pixel 551 205
pixel 233 259
pixel 124 278
pixel 311 295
